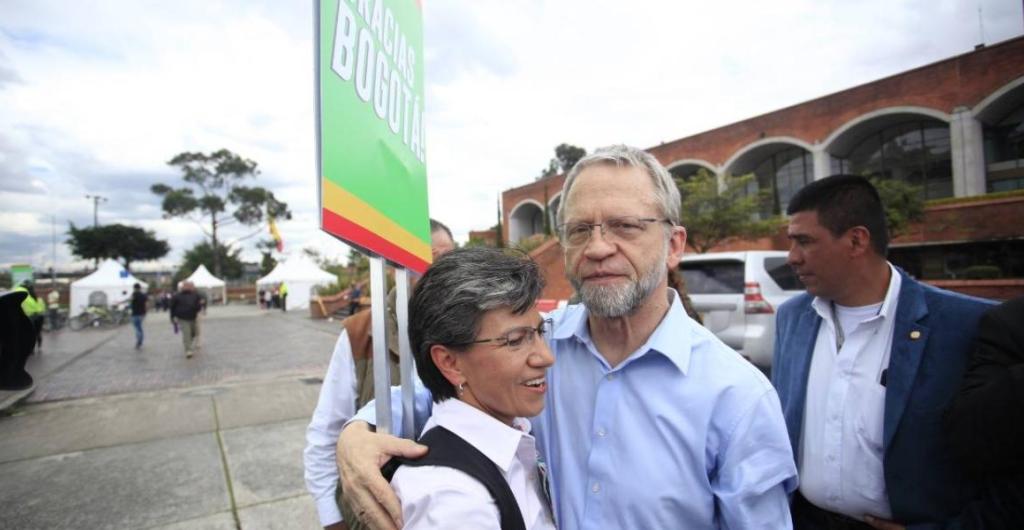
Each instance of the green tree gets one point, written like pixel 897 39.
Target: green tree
pixel 550 170
pixel 567 155
pixel 213 182
pixel 903 203
pixel 547 214
pixel 203 254
pixel 712 216
pixel 358 263
pixel 267 261
pixel 127 244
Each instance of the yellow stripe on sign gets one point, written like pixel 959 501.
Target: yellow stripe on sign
pixel 354 209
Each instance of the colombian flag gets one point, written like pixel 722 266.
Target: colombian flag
pixel 276 235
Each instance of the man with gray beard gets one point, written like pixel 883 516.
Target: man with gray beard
pixel 650 421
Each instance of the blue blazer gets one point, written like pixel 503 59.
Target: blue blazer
pixel 924 483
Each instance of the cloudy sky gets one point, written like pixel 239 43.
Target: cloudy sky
pixel 96 97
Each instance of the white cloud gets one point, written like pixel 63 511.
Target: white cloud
pixel 95 97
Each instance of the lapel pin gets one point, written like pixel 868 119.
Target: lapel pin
pixel 914 335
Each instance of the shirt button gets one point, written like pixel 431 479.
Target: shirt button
pixel 611 376
pixel 831 458
pixel 600 433
pixel 596 487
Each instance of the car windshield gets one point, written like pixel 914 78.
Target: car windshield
pixel 713 277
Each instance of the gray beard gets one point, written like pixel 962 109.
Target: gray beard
pixel 608 301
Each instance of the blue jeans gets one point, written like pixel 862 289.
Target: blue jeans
pixel 137 322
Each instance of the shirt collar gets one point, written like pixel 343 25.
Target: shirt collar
pixel 892 294
pixel 497 441
pixel 666 339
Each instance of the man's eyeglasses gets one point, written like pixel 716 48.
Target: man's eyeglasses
pixel 620 228
pixel 515 338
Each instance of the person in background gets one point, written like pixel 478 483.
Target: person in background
pixel 677 281
pixel 283 292
pixel 354 293
pixel 186 305
pixel 53 306
pixel 17 338
pixel 985 423
pixel 138 307
pixel 35 309
pixel 260 298
pixel 865 363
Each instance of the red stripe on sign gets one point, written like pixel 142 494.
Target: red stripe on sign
pixel 360 236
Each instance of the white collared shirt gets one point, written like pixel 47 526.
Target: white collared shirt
pixel 842 445
pixel 336 404
pixel 437 497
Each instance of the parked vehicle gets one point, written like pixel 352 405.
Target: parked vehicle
pixel 737 294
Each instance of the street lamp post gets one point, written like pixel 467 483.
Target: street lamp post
pixel 96 199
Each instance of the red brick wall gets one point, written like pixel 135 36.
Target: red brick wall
pixel 991 289
pixel 551 260
pixel 487 236
pixel 972 221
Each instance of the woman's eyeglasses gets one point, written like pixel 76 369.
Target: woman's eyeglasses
pixel 514 338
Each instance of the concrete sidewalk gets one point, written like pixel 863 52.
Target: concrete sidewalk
pixel 218 457
pixel 114 437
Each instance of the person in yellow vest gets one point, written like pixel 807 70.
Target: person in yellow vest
pixel 283 292
pixel 53 307
pixel 35 309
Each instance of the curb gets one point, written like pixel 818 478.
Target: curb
pixel 16 398
pixel 21 395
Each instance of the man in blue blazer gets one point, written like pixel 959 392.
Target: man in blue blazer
pixel 865 364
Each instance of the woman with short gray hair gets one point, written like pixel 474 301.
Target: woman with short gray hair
pixel 478 342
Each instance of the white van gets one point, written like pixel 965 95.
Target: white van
pixel 737 295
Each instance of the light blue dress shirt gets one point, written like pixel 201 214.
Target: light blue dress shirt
pixel 684 433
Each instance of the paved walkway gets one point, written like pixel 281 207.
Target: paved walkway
pixel 113 437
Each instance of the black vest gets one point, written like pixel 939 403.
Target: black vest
pixel 448 450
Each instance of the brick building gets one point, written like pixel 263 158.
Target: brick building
pixel 955 128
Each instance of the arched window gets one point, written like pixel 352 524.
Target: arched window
pixel 916 151
pixel 1004 151
pixel 685 172
pixel 783 174
pixel 526 220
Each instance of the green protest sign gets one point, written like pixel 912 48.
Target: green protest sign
pixel 371 151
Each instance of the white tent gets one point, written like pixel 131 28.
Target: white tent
pixel 301 275
pixel 203 279
pixel 110 284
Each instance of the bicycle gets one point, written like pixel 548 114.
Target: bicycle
pixel 99 316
